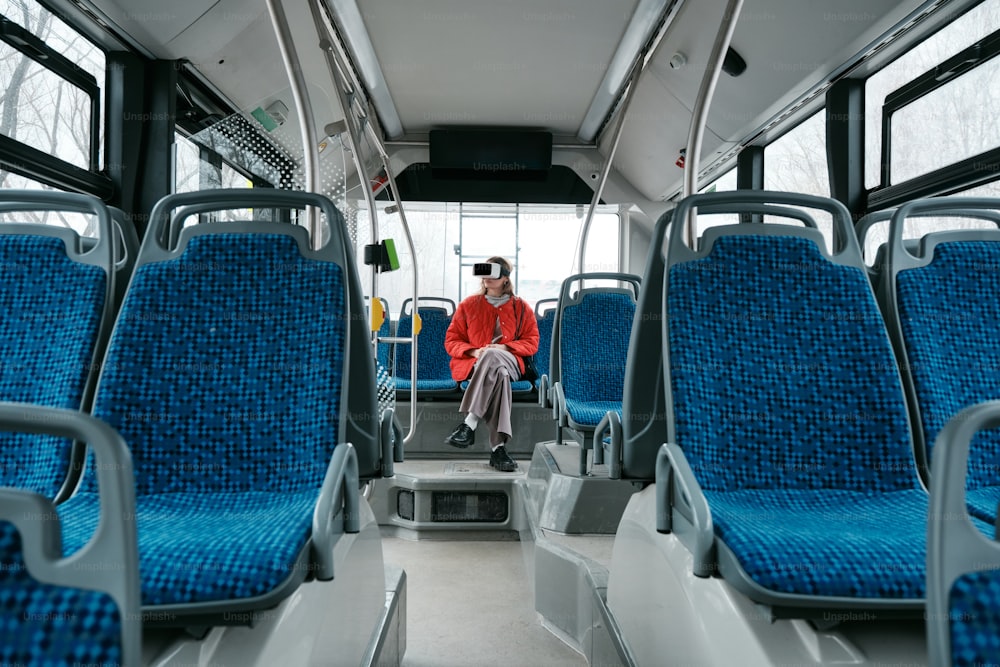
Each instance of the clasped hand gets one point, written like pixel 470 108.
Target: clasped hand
pixel 497 346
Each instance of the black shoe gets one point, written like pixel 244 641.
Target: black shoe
pixel 501 460
pixel 461 437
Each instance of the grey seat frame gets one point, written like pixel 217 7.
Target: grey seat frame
pixel 954 546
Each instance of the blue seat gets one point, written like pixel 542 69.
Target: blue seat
pixel 433 371
pixel 942 313
pixel 55 309
pixel 634 436
pixel 545 316
pixel 963 564
pixel 789 469
pixel 228 374
pixel 873 232
pixel 590 344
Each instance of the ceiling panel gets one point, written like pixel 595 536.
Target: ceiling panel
pixel 790 49
pixel 154 22
pixel 520 63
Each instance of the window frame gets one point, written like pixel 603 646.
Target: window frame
pixel 963 174
pixel 30 162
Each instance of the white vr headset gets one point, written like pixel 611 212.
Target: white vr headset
pixel 489 270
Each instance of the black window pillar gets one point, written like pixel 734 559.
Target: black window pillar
pixel 141 106
pixel 845 140
pixel 750 175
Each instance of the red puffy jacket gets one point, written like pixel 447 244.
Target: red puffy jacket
pixel 473 325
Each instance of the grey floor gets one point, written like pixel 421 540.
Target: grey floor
pixel 469 605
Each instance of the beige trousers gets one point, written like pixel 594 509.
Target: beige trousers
pixel 488 396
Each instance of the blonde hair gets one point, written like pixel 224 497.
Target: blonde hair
pixel 508 287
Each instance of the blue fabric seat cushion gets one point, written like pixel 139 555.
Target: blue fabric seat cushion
pixel 782 372
pixel 425 385
pixel 519 386
pixel 827 542
pixel 590 413
pixel 224 365
pixel 50 312
pixel 433 362
pixel 948 313
pixel 42 624
pixel 982 503
pixel 204 547
pixel 594 336
pixel 974 618
pixel 542 356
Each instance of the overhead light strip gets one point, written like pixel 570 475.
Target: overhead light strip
pixel 352 26
pixel 648 15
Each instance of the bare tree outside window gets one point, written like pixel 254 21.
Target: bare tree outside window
pixel 920 139
pixel 43 110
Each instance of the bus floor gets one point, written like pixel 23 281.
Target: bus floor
pixel 469 604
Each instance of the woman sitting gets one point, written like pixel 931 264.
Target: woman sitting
pixel 488 338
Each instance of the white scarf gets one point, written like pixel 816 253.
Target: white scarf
pixel 497 301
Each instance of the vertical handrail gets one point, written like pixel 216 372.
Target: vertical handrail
pixel 303 107
pixel 354 141
pixel 633 84
pixel 391 183
pixel 699 115
pixel 335 56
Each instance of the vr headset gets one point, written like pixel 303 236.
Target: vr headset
pixel 489 270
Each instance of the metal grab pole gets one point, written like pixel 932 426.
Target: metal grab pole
pixel 300 93
pixel 353 140
pixel 638 67
pixel 335 59
pixel 699 115
pixel 633 85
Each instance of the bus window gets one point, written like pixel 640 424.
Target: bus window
pixel 51 101
pixel 726 182
pixel 984 190
pixel 449 237
pixel 196 168
pixel 925 134
pixel 966 30
pixel 548 238
pixel 796 162
pixel 434 227
pixel 723 183
pixel 187 165
pixel 82 224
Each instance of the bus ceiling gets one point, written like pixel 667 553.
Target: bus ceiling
pixel 555 66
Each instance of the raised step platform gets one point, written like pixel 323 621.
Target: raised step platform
pixel 429 497
pixel 566 524
pixel 437 419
